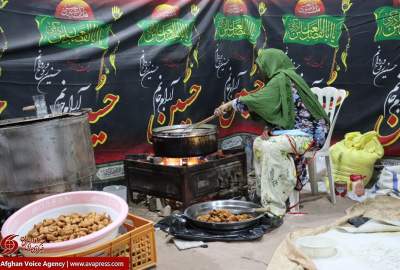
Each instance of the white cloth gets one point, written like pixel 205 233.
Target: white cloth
pixel 388 183
pixel 372 226
pixel 183 244
pixel 291 132
pixel 362 251
pixel 275 169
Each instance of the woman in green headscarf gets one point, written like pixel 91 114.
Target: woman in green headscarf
pixel 295 122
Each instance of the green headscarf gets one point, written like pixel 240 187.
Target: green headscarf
pixel 274 102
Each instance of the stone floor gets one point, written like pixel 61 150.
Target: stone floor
pixel 244 255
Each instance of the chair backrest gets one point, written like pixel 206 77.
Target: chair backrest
pixel 331 100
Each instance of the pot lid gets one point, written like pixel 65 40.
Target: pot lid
pixel 183 131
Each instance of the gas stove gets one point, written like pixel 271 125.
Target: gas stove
pixel 221 175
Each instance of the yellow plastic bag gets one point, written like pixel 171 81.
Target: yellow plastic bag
pixel 356 154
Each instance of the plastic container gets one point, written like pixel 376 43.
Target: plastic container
pixel 316 246
pixel 56 109
pixel 40 104
pixel 138 243
pixel 357 184
pixel 341 188
pixel 51 207
pixel 120 191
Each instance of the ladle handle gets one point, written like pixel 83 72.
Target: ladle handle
pixel 208 119
pixel 261 210
pixel 29 108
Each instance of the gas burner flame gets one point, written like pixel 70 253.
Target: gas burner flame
pixel 187 161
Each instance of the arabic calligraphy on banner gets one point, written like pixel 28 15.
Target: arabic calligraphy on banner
pixel 381 68
pixel 100 138
pixel 237 28
pixel 226 121
pixel 388 22
pixel 387 124
pixel 74 12
pixel 389 118
pixel 111 100
pixel 168 32
pixel 179 106
pixel 322 29
pixel 67 34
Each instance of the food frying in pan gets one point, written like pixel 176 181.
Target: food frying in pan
pixel 223 216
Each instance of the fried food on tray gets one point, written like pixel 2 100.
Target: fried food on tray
pixel 223 216
pixel 68 227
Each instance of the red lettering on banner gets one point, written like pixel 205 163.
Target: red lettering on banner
pixel 112 100
pixel 188 121
pixel 386 140
pixel 393 120
pixel 161 118
pixel 100 138
pixel 258 85
pixel 149 131
pixel 181 106
pixel 3 105
pixel 226 122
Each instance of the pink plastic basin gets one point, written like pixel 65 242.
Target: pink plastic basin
pixel 63 204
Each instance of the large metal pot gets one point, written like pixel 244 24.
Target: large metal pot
pixel 234 206
pixel 44 156
pixel 183 141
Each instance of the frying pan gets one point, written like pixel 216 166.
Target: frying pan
pixel 235 206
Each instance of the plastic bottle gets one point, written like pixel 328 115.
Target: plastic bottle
pixel 357 184
pixel 249 155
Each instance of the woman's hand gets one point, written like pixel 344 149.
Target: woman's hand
pixel 265 135
pixel 223 108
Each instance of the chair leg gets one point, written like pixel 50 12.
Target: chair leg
pixel 294 201
pixel 330 177
pixel 312 176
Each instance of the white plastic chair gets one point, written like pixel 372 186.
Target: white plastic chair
pixel 329 97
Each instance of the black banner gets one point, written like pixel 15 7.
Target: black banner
pixel 142 64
